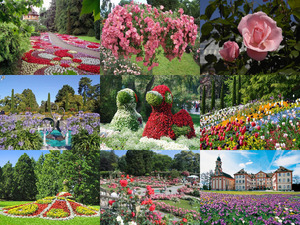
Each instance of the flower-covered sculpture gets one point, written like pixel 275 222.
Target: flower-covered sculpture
pixel 161 121
pixel 126 115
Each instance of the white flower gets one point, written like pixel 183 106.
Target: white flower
pixel 132 223
pixel 283 123
pixel 262 137
pixel 119 219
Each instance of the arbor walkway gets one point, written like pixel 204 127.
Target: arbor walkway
pixel 56 41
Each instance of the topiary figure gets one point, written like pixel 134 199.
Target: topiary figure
pixel 161 121
pixel 126 115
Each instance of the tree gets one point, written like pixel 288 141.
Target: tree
pixel 82 169
pixel 49 182
pixel 67 103
pixel 222 96
pixel 1 183
pixel 187 160
pixel 122 163
pixel 24 179
pixel 113 159
pixel 239 90
pixel 203 101
pixel 8 181
pixel 84 100
pixel 135 162
pixel 213 95
pixel 62 92
pixel 30 99
pixel 12 107
pixel 234 92
pixel 124 2
pixel 84 86
pixel 161 162
pixel 49 103
pixel 168 4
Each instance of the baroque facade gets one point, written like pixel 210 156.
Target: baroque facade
pixel 280 180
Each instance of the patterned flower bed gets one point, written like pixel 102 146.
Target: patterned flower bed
pixel 71 40
pixel 47 59
pixel 52 208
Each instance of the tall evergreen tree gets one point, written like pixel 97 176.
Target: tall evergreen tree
pixel 67 102
pixel 213 95
pixel 24 179
pixel 49 182
pixel 135 163
pixel 84 99
pixel 113 159
pixel 82 169
pixel 239 90
pixel 12 107
pixel 1 183
pixel 8 181
pixel 222 96
pixel 62 93
pixel 49 103
pixel 234 92
pixel 203 100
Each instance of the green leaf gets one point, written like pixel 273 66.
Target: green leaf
pixel 294 4
pixel 295 53
pixel 206 28
pixel 91 6
pixel 210 9
pixel 221 21
pixel 297 46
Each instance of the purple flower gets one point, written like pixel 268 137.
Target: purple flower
pixel 21 143
pixel 31 131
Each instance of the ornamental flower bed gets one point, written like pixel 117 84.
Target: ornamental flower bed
pixel 142 29
pixel 75 41
pixel 47 59
pixel 216 208
pixel 256 125
pixel 53 208
pixel 22 134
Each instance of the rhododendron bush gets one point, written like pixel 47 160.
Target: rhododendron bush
pixel 142 29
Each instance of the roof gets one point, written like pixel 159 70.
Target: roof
pixel 223 175
pixel 33 12
pixel 282 169
pixel 242 171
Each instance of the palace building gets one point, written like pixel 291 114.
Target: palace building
pixel 280 180
pixel 32 15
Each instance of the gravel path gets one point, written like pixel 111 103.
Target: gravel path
pixel 56 41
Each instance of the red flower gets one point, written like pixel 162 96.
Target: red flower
pixel 258 127
pixel 129 192
pixel 123 183
pixel 110 202
pixel 122 176
pixel 133 214
pixel 65 65
pixel 89 68
pixel 127 176
pixel 184 220
pixel 57 59
pixel 131 179
pixel 253 124
pixel 63 53
pixel 77 60
pixel 152 208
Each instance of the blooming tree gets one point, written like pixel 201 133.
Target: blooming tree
pixel 142 29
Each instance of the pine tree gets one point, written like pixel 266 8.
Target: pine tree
pixel 12 107
pixel 222 96
pixel 203 101
pixel 239 91
pixel 84 100
pixel 67 102
pixel 213 95
pixel 8 181
pixel 49 103
pixel 234 92
pixel 24 179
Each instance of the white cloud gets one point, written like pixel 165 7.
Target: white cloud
pixel 287 159
pixel 249 163
pixel 242 165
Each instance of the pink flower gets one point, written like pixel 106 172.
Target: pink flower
pixel 230 51
pixel 162 7
pixel 181 11
pixel 261 35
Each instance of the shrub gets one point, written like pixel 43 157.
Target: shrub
pixel 91 33
pixel 85 141
pixel 35 34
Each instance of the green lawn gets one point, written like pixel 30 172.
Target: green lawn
pixel 195 118
pixel 187 66
pixel 87 38
pixel 184 204
pixel 5 220
pixel 253 192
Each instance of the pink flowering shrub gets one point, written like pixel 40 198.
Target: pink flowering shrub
pixel 142 29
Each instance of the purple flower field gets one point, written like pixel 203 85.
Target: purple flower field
pixel 217 208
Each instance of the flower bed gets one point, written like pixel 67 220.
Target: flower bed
pixel 259 125
pixel 216 208
pixel 75 41
pixel 47 59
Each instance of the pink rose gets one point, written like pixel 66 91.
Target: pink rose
pixel 261 35
pixel 230 51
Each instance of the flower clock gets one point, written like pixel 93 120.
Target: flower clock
pixel 59 207
pixel 142 29
pixel 161 121
pixel 47 59
pixel 126 115
pixel 72 40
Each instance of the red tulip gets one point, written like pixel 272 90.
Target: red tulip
pixel 152 208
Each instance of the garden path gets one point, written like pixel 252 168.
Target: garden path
pixel 56 41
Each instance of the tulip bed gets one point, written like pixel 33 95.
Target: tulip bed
pixel 216 208
pixel 53 208
pixel 257 125
pixel 71 40
pixel 47 59
pixel 19 132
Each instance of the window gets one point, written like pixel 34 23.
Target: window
pixel 288 174
pixel 279 180
pixel 283 180
pixel 283 186
pixel 283 175
pixel 279 174
pixel 279 186
pixel 288 179
pixel 243 181
pixel 288 186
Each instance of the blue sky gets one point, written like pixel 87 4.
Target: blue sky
pixel 41 85
pixel 14 155
pixel 170 153
pixel 251 161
